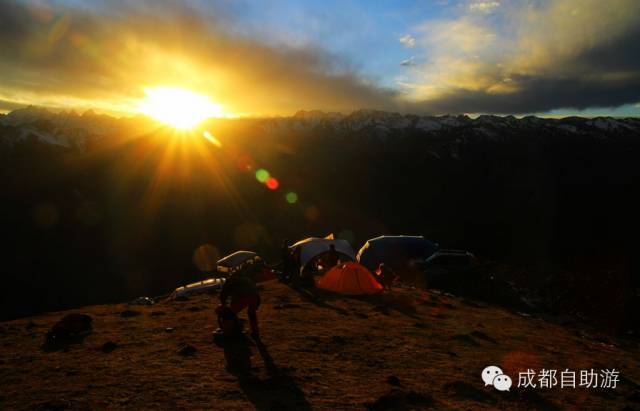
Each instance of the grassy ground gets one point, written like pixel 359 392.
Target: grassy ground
pixel 409 349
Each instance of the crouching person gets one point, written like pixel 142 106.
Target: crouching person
pixel 243 293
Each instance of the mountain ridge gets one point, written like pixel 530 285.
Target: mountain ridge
pixel 101 124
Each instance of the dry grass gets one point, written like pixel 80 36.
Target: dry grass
pixel 318 352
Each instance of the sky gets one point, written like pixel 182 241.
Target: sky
pixel 275 57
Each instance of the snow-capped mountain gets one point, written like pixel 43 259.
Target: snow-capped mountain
pixel 69 129
pixel 66 128
pixel 487 125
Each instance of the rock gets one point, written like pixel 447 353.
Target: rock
pixel 108 347
pixel 393 380
pixel 129 313
pixel 169 329
pixel 143 301
pixel 187 350
pixel 72 328
pixel 73 324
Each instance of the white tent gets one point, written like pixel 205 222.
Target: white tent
pixel 314 246
pixel 199 287
pixel 236 260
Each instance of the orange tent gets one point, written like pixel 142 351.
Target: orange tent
pixel 349 278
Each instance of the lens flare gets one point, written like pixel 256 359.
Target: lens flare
pixel 272 183
pixel 262 175
pixel 312 213
pixel 212 139
pixel 291 197
pixel 205 257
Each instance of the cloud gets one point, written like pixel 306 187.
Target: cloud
pixel 87 57
pixel 483 6
pixel 408 41
pixel 6 106
pixel 408 62
pixel 522 57
pixel 530 57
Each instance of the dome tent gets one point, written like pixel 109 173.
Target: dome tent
pixel 245 263
pixel 199 287
pixel 395 251
pixel 311 247
pixel 236 260
pixel 349 278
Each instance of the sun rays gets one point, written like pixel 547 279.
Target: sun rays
pixel 177 107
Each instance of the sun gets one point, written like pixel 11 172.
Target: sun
pixel 178 107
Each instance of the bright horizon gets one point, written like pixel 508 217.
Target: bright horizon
pixel 551 58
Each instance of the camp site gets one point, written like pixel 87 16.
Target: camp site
pixel 332 205
pixel 398 309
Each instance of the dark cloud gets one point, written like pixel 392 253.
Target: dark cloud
pixel 618 55
pixel 537 95
pixel 604 76
pixel 573 54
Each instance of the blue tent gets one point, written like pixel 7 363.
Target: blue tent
pixel 395 251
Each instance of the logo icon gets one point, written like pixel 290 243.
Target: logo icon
pixel 493 375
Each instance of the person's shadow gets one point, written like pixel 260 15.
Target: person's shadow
pixel 278 391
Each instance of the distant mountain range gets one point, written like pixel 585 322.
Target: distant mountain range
pixel 386 122
pixel 70 129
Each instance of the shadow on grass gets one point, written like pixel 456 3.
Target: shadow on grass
pixel 318 297
pixel 383 302
pixel 278 391
pixel 389 301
